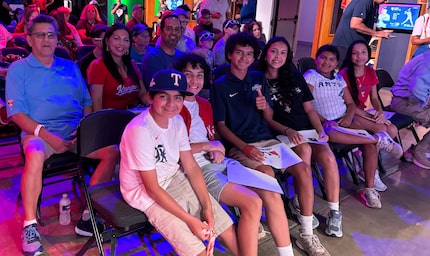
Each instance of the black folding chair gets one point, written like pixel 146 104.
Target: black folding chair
pixel 306 63
pixel 21 52
pixel 84 50
pixel 95 131
pixel 62 52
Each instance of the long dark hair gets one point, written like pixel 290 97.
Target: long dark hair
pixel 63 29
pixel 108 60
pixel 288 66
pixel 288 75
pixel 347 63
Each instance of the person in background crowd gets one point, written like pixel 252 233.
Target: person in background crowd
pixel 185 43
pixel 206 42
pixel 137 16
pixel 140 36
pixel 357 23
pixel 165 54
pixel 411 97
pixel 230 27
pixel 421 33
pixel 42 5
pixel 89 16
pixel 4 12
pixel 248 11
pixel 18 15
pixel 66 38
pixel 97 35
pixel 48 115
pixel 99 9
pixel 5 37
pixel 255 28
pixel 174 197
pixel 220 10
pixel 205 23
pixel 21 29
pixel 120 12
pixel 114 79
pixel 66 13
pixel 362 82
pixel 188 31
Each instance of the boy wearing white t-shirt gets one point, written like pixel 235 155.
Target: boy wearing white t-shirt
pixel 151 179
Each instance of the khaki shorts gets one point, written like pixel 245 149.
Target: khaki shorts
pixel 31 142
pixel 413 108
pixel 173 229
pixel 240 156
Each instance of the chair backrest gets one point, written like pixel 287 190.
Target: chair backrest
pixel 385 79
pixel 62 52
pixel 22 52
pixel 306 63
pixel 84 50
pixel 101 129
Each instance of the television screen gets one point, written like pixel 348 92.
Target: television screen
pixel 398 17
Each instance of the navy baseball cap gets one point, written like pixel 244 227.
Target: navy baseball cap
pixel 169 80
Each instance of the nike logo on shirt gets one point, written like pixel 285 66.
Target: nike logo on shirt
pixel 231 95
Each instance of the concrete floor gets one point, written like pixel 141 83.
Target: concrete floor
pixel 401 227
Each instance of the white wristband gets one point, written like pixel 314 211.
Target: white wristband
pixel 37 130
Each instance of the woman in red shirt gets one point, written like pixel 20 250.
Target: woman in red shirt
pixel 114 79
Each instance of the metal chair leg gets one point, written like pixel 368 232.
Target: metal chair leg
pixel 38 211
pixel 316 170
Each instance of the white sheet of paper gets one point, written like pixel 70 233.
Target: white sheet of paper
pixel 239 174
pixel 387 114
pixel 356 132
pixel 279 156
pixel 309 136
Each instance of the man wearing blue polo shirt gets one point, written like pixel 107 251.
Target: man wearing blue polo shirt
pixel 47 97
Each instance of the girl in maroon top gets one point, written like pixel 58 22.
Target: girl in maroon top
pixel 114 79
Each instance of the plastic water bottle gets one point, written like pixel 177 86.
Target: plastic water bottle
pixel 64 206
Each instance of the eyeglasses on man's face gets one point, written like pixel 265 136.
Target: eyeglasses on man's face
pixel 43 35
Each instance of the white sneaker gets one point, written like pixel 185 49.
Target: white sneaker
pixel 311 245
pixel 371 198
pixel 386 143
pixel 378 184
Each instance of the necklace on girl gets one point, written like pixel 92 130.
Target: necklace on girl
pixel 360 80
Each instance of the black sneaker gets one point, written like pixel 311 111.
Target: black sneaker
pixel 85 228
pixel 31 241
